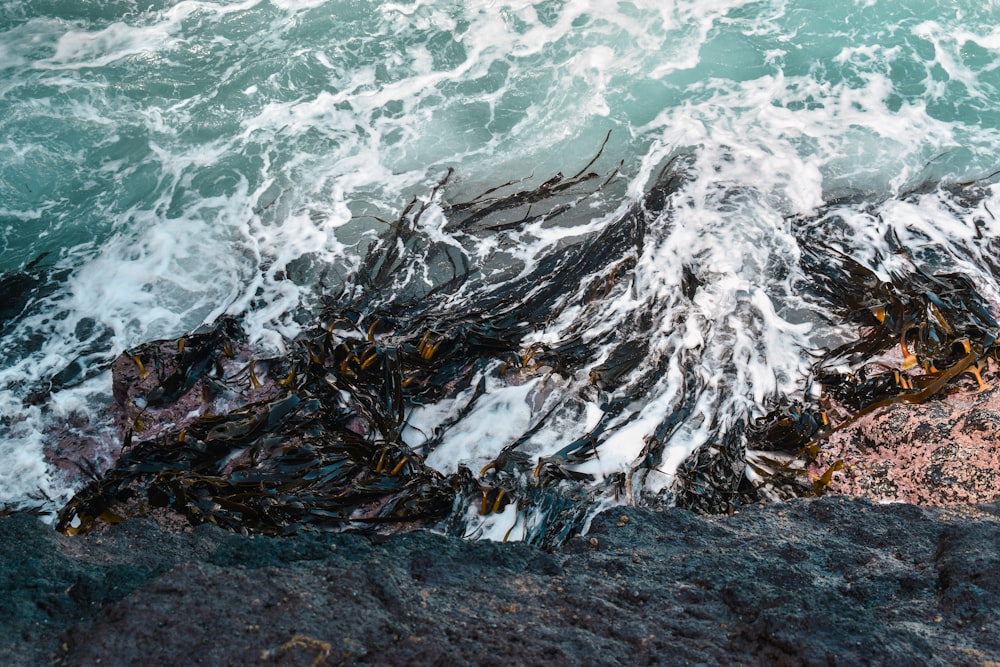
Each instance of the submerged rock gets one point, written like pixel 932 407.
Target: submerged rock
pixel 810 582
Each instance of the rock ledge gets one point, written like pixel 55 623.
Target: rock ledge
pixel 831 581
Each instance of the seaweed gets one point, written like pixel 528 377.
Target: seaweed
pixel 316 438
pixel 713 480
pixel 940 323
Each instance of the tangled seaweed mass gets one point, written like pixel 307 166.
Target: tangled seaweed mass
pixel 336 433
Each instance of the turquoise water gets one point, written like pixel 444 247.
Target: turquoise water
pixel 181 160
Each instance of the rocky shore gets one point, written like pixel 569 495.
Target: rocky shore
pixel 830 581
pixel 838 580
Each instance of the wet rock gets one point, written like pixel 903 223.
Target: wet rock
pixel 831 581
pixel 939 452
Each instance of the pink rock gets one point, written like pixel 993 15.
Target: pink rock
pixel 940 452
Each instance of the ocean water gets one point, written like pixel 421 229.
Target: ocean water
pixel 163 163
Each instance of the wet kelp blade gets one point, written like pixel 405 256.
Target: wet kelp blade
pixel 302 459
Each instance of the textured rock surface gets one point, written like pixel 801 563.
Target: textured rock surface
pixel 819 582
pixel 943 451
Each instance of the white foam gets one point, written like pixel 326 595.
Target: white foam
pixel 25 476
pixel 498 419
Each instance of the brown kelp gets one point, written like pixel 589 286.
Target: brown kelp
pixel 332 434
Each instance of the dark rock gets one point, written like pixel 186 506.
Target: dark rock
pixel 818 582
